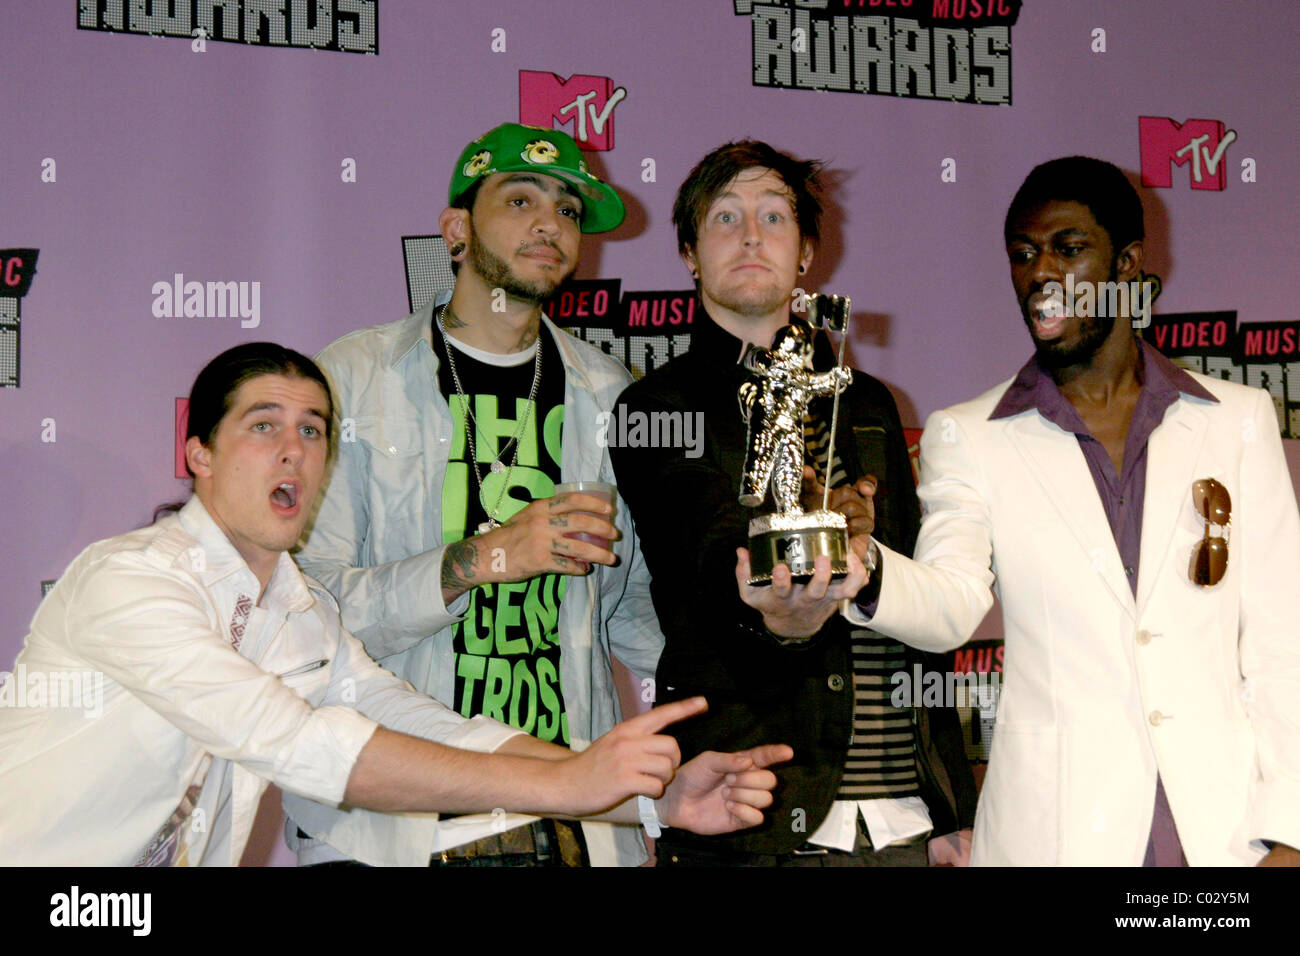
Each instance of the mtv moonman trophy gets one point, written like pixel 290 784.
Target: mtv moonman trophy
pixel 773 408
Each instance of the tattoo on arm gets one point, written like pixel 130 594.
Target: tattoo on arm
pixel 458 567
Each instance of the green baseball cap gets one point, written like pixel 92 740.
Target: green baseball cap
pixel 515 148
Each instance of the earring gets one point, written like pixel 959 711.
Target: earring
pixel 457 249
pixel 803 270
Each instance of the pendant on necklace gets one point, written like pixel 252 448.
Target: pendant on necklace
pixel 497 467
pixel 487 526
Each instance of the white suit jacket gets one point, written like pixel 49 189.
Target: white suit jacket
pixel 1100 691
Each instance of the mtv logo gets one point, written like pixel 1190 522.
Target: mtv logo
pixel 790 551
pixel 1198 142
pixel 586 101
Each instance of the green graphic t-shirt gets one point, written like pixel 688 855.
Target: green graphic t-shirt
pixel 507 652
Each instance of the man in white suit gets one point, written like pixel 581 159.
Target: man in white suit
pixel 1151 702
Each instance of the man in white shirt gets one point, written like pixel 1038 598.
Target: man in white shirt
pixel 216 667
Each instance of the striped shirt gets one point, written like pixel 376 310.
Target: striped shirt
pixel 882 757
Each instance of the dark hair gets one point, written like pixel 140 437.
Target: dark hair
pixel 712 174
pixel 465 201
pixel 214 389
pixel 1097 184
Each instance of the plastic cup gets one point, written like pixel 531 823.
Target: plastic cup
pixel 597 489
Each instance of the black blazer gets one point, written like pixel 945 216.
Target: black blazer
pixel 760 690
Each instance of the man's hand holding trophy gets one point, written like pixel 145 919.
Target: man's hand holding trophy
pixel 799 564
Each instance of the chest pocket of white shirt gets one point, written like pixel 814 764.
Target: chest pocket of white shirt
pixel 309 680
pixel 392 482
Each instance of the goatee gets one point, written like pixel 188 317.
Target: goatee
pixel 497 274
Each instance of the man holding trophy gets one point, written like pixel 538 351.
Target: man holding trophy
pixel 758 628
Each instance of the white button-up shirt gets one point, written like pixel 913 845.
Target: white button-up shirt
pixel 177 661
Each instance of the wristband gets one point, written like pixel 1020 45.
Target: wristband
pixel 645 808
pixel 873 556
pixel 870 593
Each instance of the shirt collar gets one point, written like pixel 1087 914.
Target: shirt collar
pixel 1034 389
pixel 716 344
pixel 419 328
pixel 286 590
pixel 416 329
pixel 711 341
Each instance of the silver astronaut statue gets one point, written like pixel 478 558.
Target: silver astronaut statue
pixel 773 406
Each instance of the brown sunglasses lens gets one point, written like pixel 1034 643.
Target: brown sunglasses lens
pixel 1212 501
pixel 1209 562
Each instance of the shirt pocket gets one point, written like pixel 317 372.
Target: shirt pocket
pixel 394 484
pixel 309 679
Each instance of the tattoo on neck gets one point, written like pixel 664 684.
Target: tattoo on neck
pixel 458 565
pixel 529 337
pixel 450 320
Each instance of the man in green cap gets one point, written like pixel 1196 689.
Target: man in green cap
pixel 440 531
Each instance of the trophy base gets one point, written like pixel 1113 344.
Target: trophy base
pixel 796 540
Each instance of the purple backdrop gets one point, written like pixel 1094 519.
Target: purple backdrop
pixel 226 165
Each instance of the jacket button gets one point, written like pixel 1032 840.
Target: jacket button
pixel 1144 638
pixel 1155 717
pixel 835 682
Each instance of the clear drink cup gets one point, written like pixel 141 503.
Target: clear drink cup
pixel 597 489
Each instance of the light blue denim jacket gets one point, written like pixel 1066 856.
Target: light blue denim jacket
pixel 376 543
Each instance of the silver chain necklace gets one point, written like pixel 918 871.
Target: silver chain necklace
pixel 471 426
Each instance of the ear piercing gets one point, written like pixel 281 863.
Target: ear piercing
pixel 457 249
